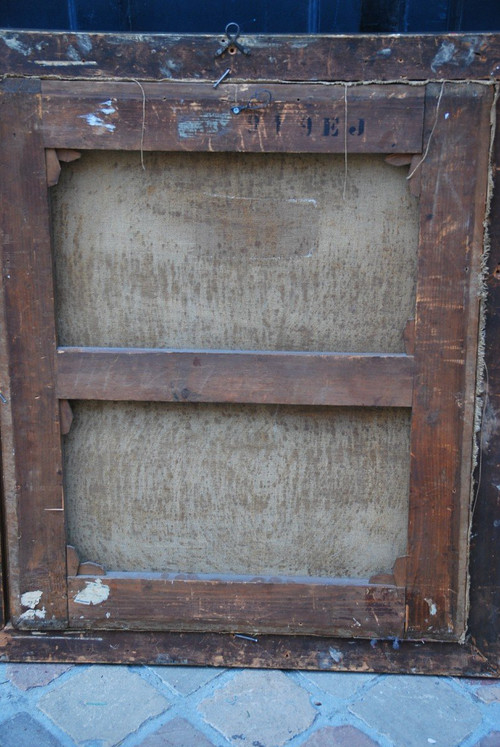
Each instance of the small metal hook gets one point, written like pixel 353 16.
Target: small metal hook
pixel 232 45
pixel 259 100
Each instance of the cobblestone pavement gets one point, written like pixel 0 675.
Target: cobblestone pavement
pixel 99 706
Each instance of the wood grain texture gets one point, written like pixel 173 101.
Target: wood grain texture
pixel 67 156
pixel 227 650
pixel 246 606
pixel 3 569
pixel 195 117
pixel 326 57
pixel 89 568
pixel 452 206
pixel 399 159
pixel 399 571
pixel 32 459
pixel 409 337
pixel 53 167
pixel 72 560
pixel 65 416
pixel 212 376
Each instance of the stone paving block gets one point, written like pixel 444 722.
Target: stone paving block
pixel 177 733
pixel 186 679
pixel 339 736
pixel 103 703
pixel 339 684
pixel 474 681
pixel 265 709
pixel 489 693
pixel 23 731
pixel 490 740
pixel 415 711
pixel 26 676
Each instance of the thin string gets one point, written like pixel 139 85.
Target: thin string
pixel 486 243
pixel 480 455
pixel 143 127
pixel 345 144
pixel 119 79
pixel 432 132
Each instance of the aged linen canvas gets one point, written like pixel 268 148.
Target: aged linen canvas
pixel 236 251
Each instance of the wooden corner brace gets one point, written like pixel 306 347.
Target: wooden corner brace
pixel 404 159
pixel 75 568
pixel 396 578
pixel 53 159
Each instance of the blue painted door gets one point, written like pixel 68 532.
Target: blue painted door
pixel 259 16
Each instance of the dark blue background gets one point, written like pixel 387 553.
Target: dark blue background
pixel 253 16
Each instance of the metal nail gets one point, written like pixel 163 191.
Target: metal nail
pixel 246 637
pixel 222 77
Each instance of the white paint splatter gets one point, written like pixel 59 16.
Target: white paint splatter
pixel 95 592
pixel 303 200
pixel 168 68
pixel 32 615
pixel 84 42
pixel 64 63
pixel 73 54
pixel 336 655
pixel 107 107
pixel 444 54
pixel 293 200
pixel 470 55
pixel 18 46
pixel 31 599
pixel 94 121
pixel 432 606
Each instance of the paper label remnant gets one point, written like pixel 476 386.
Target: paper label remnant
pixel 95 592
pixel 206 123
pixel 95 121
pixel 33 614
pixel 30 599
pixel 445 54
pixel 336 655
pixel 432 606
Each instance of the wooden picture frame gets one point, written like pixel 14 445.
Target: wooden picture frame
pixel 404 98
